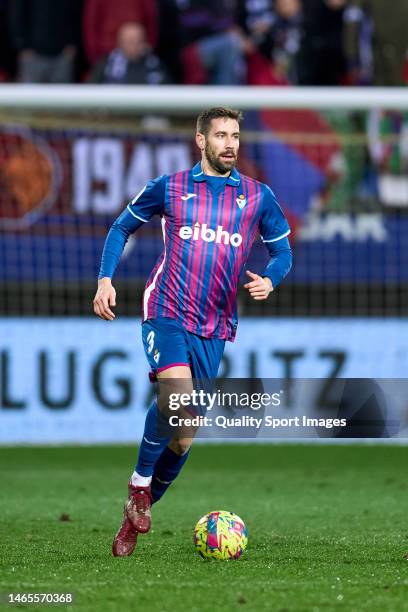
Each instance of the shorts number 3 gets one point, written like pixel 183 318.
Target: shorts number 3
pixel 150 341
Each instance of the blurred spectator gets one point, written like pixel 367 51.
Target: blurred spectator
pixel 390 40
pixel 103 18
pixel 358 39
pixel 132 62
pixel 212 48
pixel 255 18
pixel 45 34
pixel 168 47
pixel 7 55
pixel 322 56
pixel 273 31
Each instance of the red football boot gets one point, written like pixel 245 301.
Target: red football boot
pixel 137 509
pixel 125 540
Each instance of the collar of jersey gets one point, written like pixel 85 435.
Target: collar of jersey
pixel 234 178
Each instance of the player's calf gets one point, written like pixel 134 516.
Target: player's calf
pixel 169 466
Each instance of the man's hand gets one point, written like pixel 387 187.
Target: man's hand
pixel 259 287
pixel 104 298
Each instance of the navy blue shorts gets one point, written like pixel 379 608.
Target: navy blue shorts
pixel 167 343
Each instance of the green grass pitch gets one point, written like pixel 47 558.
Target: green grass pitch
pixel 328 529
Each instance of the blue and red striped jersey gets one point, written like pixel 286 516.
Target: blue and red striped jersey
pixel 209 225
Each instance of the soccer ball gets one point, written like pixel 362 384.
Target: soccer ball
pixel 220 535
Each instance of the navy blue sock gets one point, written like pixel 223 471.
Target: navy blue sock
pixel 166 471
pixel 155 437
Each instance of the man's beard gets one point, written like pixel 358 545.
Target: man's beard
pixel 216 163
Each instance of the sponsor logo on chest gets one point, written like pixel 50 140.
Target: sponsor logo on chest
pixel 205 233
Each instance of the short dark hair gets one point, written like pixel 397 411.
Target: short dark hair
pixel 205 117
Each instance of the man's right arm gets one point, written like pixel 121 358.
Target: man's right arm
pixel 140 210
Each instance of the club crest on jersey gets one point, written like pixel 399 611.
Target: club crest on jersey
pixel 241 201
pixel 156 355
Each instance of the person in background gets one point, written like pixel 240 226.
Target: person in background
pixel 212 50
pixel 132 62
pixel 322 55
pixel 255 18
pixel 168 48
pixel 272 32
pixel 45 35
pixel 103 18
pixel 7 54
pixel 358 43
pixel 390 41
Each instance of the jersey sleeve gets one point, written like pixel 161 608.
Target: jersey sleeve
pixel 280 262
pixel 149 201
pixel 273 224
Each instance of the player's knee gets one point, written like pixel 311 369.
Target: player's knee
pixel 180 446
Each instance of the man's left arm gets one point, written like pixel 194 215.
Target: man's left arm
pixel 274 230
